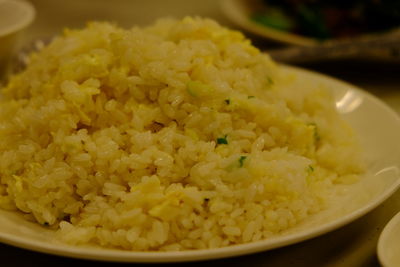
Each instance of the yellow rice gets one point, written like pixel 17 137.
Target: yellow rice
pixel 177 136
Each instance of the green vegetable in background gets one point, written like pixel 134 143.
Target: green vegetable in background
pixel 274 18
pixel 312 22
pixel 324 19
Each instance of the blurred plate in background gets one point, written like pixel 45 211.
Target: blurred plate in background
pixel 240 12
pixel 384 46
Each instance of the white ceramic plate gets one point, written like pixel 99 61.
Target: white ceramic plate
pixel 376 124
pixel 389 243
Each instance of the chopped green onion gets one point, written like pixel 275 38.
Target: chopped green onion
pixel 222 140
pixel 310 169
pixel 250 96
pixel 317 137
pixel 241 161
pixel 270 81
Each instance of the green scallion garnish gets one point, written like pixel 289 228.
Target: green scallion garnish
pixel 241 161
pixel 222 140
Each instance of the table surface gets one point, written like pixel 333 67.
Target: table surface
pixel 351 245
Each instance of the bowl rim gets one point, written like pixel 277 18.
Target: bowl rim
pixel 393 223
pixel 21 22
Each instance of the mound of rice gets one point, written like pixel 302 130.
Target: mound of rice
pixel 177 136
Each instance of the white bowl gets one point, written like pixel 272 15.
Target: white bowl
pixel 15 16
pixel 389 243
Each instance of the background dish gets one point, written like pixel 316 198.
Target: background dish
pixel 388 244
pixel 382 179
pixel 15 16
pixel 304 23
pixel 239 12
pixel 365 47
